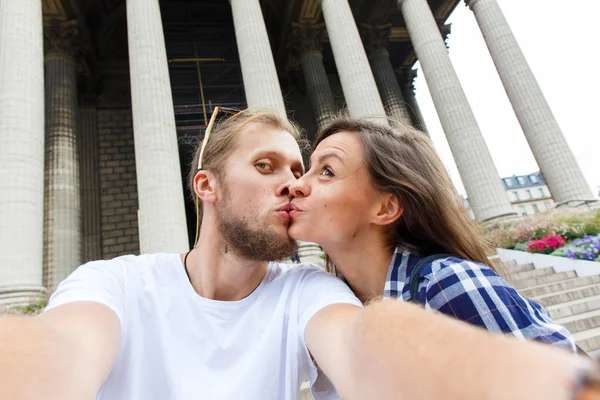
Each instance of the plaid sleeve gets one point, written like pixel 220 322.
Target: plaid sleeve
pixel 474 293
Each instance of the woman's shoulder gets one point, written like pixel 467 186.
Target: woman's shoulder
pixel 448 261
pixel 449 265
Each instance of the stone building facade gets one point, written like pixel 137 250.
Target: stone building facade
pixel 102 101
pixel 528 194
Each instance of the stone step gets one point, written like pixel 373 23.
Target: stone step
pixel 550 288
pixel 545 279
pixel 581 322
pixel 590 333
pixel 564 296
pixel 521 268
pixel 588 340
pixel 595 354
pixel 503 268
pixel 574 307
pixel 533 273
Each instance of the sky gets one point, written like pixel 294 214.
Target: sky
pixel 560 42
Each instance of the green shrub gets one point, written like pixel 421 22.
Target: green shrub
pixel 522 246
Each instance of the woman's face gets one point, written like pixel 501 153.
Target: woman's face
pixel 335 200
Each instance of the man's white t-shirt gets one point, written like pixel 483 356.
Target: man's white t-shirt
pixel 178 345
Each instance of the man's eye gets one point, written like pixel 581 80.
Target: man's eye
pixel 264 166
pixel 327 172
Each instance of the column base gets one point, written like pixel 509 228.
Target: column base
pixel 501 218
pixel 309 253
pixel 16 295
pixel 591 204
pixel 312 253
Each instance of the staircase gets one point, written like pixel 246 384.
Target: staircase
pixel 571 300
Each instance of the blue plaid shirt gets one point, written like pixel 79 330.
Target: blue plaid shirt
pixel 474 293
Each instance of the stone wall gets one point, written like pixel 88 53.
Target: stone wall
pixel 118 186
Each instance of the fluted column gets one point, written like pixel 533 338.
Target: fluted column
pixel 21 148
pixel 376 39
pixel 90 185
pixel 407 76
pixel 552 153
pixel 162 223
pixel 261 83
pixel 306 41
pixel 477 170
pixel 62 211
pixel 358 84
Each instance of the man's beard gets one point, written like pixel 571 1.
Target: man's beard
pixel 251 244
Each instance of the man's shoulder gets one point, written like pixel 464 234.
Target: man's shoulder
pixel 131 264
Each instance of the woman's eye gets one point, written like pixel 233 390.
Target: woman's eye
pixel 327 172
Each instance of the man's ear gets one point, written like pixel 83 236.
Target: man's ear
pixel 389 211
pixel 205 185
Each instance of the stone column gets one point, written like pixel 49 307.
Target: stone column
pixel 376 39
pixel 307 41
pixel 90 186
pixel 21 149
pixel 62 216
pixel 358 84
pixel 407 76
pixel 161 214
pixel 552 153
pixel 477 170
pixel 261 83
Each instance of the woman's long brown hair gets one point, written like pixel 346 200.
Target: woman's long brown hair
pixel 403 161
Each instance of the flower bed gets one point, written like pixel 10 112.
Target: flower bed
pixel 587 248
pixel 546 245
pixel 564 233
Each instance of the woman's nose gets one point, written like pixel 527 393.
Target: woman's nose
pixel 299 188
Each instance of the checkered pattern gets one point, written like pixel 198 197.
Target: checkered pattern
pixel 474 293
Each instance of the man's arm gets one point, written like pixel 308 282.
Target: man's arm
pixel 64 353
pixel 392 350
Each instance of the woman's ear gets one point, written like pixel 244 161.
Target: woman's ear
pixel 205 184
pixel 390 210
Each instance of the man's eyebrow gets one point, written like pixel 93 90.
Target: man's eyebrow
pixel 268 154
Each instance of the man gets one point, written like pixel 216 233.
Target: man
pixel 221 322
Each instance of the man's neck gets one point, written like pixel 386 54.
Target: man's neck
pixel 217 273
pixel 364 263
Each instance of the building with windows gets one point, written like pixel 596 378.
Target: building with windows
pixel 101 102
pixel 528 194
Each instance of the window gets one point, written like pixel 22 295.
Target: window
pixel 508 182
pixel 534 178
pixel 522 209
pixel 542 194
pixel 521 180
pixel 536 209
pixel 516 196
pixel 529 196
pixel 548 205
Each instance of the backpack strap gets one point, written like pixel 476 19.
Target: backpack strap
pixel 415 275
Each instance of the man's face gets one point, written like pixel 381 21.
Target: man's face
pixel 252 208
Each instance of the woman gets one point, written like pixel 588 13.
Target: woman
pixel 378 201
